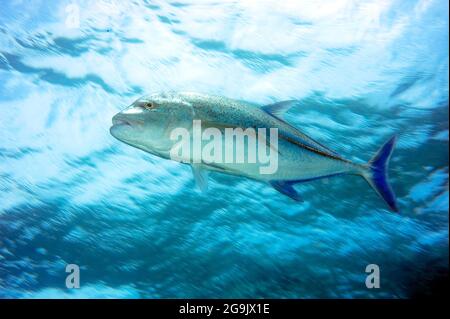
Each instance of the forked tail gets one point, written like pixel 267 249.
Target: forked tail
pixel 376 173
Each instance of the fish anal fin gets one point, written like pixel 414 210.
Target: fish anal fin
pixel 287 189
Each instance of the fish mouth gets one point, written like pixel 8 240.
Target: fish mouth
pixel 121 127
pixel 120 121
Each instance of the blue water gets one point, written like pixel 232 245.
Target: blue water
pixel 136 225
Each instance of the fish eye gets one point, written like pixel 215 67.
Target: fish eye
pixel 149 105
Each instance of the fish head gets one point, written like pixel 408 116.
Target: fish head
pixel 148 122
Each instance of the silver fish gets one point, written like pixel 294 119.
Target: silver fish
pixel 148 122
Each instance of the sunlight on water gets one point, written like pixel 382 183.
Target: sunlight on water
pixel 137 226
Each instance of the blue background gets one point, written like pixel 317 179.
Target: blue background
pixel 137 226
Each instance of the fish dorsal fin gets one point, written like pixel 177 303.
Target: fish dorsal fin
pixel 287 189
pixel 278 109
pixel 200 176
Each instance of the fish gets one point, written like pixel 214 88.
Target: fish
pixel 149 122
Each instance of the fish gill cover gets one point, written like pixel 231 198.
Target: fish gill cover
pixel 135 224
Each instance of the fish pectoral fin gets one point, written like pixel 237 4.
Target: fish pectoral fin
pixel 278 109
pixel 200 176
pixel 287 189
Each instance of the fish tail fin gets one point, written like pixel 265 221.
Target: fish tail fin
pixel 376 173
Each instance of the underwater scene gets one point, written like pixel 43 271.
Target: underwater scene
pixel 85 213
